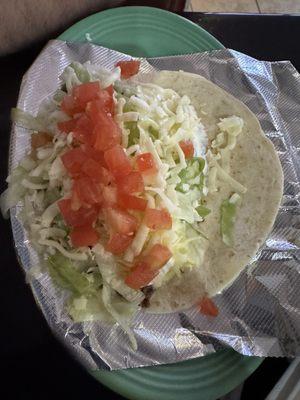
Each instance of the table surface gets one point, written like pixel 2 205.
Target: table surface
pixel 31 360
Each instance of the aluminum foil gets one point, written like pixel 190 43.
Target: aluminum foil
pixel 260 312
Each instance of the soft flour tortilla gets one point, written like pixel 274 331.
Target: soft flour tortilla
pixel 255 164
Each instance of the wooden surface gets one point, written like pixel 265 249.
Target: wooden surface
pixel 245 6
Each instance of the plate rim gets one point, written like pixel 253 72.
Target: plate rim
pixel 164 13
pixel 115 380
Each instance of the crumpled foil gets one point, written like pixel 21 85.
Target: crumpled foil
pixel 260 312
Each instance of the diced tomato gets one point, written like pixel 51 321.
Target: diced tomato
pixel 158 219
pixel 145 270
pixel 93 109
pixel 76 203
pixel 107 177
pixel 128 68
pixel 130 202
pixel 85 92
pixel 83 130
pixel 103 104
pixel 110 90
pixel 92 169
pixel 131 183
pixel 118 243
pixel 208 307
pixel 106 132
pixel 109 194
pixel 40 139
pixel 81 95
pixel 83 216
pixel 146 164
pixel 106 97
pixel 140 275
pixel 187 147
pixel 157 256
pixel 94 154
pixel 117 161
pixel 73 160
pixel 67 126
pixel 69 105
pixel 84 236
pixel 88 191
pixel 120 221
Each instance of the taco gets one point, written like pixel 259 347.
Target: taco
pixel 149 191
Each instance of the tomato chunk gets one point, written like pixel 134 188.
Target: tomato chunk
pixel 94 154
pixel 103 104
pixel 130 202
pixel 131 183
pixel 85 92
pixel 73 160
pixel 158 219
pixel 106 132
pixel 94 170
pixel 88 191
pixel 83 130
pixel 120 221
pixel 40 139
pixel 145 270
pixel 146 164
pixel 109 194
pixel 187 147
pixel 107 100
pixel 67 126
pixel 82 95
pixel 117 161
pixel 129 68
pixel 76 203
pixel 118 243
pixel 208 307
pixel 157 256
pixel 84 236
pixel 83 216
pixel 140 275
pixel 69 105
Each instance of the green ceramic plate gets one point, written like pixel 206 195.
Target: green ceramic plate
pixel 155 32
pixel 205 378
pixel 160 33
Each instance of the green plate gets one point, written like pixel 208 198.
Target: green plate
pixel 151 32
pixel 142 32
pixel 205 378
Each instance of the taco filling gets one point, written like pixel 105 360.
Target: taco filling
pixel 133 189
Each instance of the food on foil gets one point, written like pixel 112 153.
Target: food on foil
pixel 143 191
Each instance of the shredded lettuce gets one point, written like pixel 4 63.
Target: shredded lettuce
pixel 52 244
pixel 81 72
pixel 134 133
pixel 202 211
pixel 110 271
pixel 192 175
pixel 107 297
pixel 228 216
pixel 26 120
pixel 65 275
pixel 232 125
pixel 83 308
pixel 187 246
